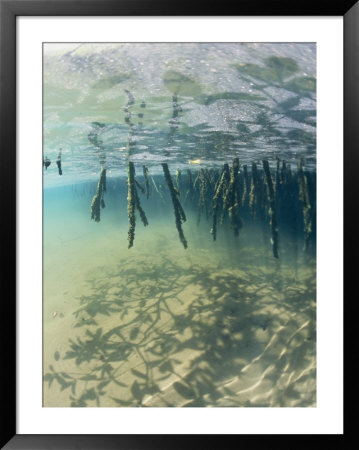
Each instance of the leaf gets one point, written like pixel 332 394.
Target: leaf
pixel 64 384
pixel 48 377
pixel 184 391
pixel 154 389
pixel 302 115
pixel 257 72
pixel 276 69
pixel 66 375
pixel 88 378
pixel 166 367
pixel 90 394
pixel 301 136
pixel 119 383
pixel 134 333
pixel 180 84
pixel 121 402
pixel 301 85
pixel 109 82
pixel 239 96
pixel 284 67
pixel 70 355
pixel 139 374
pixel 136 390
pixel 291 102
pixel 57 356
pixel 103 384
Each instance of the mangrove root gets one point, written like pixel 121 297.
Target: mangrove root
pixel 203 187
pixel 221 185
pixel 46 162
pixel 232 200
pixel 58 161
pixel 98 200
pixel 226 178
pixel 272 208
pixel 178 210
pixel 254 192
pixel 140 187
pixel 133 203
pixel 304 199
pixel 245 185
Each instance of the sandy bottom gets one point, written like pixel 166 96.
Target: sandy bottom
pixel 158 325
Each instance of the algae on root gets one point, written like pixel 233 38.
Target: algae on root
pixel 254 192
pixel 133 203
pixel 232 200
pixel 245 185
pixel 305 201
pixel 203 187
pixel 98 200
pixel 272 208
pixel 218 190
pixel 178 210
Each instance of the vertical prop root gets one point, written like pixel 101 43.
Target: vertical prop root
pixel 133 203
pixel 178 210
pixel 98 200
pixel 222 182
pixel 232 200
pixel 203 187
pixel 225 186
pixel 304 199
pixel 245 185
pixel 254 192
pixel 272 209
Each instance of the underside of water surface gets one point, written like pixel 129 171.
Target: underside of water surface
pixel 179 225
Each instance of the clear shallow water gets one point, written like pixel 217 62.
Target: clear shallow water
pixel 225 322
pixel 207 102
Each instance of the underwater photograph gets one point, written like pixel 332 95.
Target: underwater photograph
pixel 179 225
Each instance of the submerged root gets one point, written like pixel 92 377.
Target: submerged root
pixel 245 185
pixel 203 187
pixel 232 200
pixel 305 201
pixel 254 192
pixel 98 200
pixel 133 203
pixel 178 210
pixel 224 190
pixel 272 208
pixel 218 190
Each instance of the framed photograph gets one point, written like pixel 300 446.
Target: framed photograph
pixel 174 178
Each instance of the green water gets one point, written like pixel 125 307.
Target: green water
pixel 219 324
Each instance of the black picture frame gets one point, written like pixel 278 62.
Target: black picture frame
pixel 9 10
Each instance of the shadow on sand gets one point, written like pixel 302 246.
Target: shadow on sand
pixel 165 335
